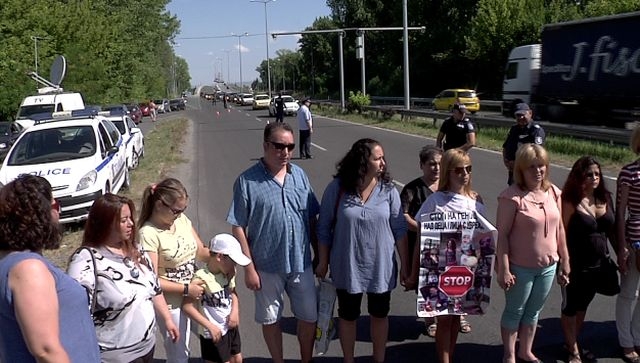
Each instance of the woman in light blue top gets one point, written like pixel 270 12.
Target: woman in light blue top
pixel 44 314
pixel 361 221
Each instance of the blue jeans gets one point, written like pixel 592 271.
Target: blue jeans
pixel 524 301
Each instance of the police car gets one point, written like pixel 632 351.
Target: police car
pixel 81 153
pixel 131 134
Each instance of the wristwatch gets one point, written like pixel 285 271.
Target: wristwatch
pixel 186 290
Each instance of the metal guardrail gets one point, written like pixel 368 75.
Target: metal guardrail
pixel 485 105
pixel 593 133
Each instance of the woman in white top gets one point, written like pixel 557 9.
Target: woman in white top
pixel 454 194
pixel 121 284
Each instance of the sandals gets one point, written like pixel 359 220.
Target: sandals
pixel 632 357
pixel 465 326
pixel 573 357
pixel 431 330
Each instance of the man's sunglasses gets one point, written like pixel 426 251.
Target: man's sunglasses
pixel 279 146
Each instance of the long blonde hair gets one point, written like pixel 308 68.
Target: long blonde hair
pixel 450 159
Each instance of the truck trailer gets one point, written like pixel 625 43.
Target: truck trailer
pixel 584 71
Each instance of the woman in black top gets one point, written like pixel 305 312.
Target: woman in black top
pixel 588 216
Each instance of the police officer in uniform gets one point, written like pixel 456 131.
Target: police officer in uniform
pixel 523 132
pixel 457 131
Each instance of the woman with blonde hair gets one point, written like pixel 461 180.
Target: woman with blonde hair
pixel 173 245
pixel 531 243
pixel 454 195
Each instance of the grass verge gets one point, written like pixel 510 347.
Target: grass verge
pixel 162 152
pixel 564 150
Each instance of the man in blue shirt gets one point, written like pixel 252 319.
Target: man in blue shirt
pixel 273 215
pixel 523 132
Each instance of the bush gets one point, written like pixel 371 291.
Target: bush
pixel 357 101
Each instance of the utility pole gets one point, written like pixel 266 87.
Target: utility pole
pixel 240 56
pixel 266 38
pixel 340 52
pixel 405 51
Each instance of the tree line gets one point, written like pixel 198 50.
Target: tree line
pixel 465 44
pixel 116 50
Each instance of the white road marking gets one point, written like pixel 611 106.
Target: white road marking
pixel 318 146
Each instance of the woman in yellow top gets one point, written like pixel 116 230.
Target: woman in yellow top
pixel 173 246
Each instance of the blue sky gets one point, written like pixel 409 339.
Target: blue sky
pixel 205 23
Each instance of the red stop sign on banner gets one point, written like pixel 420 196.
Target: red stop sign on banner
pixel 455 281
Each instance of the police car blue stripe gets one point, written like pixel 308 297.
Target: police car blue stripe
pixel 107 160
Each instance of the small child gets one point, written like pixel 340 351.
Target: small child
pixel 218 313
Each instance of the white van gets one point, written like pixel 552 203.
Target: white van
pixel 48 100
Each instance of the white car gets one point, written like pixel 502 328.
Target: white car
pixel 80 153
pixel 291 106
pixel 132 135
pixel 260 101
pixel 247 99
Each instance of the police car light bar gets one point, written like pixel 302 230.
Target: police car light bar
pixel 63 115
pixel 114 112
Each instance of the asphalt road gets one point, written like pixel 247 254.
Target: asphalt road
pixel 223 143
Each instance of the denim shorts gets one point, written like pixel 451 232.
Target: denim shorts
pixel 301 289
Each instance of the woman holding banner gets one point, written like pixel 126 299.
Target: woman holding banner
pixel 360 224
pixel 454 195
pixel 531 243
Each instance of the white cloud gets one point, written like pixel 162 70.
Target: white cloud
pixel 243 49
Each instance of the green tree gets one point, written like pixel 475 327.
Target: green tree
pixel 116 50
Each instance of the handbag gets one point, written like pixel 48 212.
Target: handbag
pixel 325 328
pixel 607 279
pixel 92 298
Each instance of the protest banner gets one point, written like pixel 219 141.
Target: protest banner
pixel 457 252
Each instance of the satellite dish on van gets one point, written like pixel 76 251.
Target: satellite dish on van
pixel 58 70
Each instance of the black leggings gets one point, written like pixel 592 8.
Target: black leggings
pixel 378 305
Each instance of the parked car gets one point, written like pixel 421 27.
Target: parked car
pixel 291 106
pixel 135 113
pixel 131 134
pixel 177 104
pixel 9 133
pixel 144 108
pixel 246 99
pixel 449 97
pixel 162 105
pixel 260 101
pixel 80 153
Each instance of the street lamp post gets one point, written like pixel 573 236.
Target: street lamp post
pixel 227 51
pixel 218 72
pixel 266 39
pixel 240 55
pixel 405 57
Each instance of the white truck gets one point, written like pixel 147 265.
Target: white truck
pixel 583 71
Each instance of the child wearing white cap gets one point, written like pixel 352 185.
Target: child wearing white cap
pixel 217 312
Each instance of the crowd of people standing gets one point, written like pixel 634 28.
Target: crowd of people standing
pixel 134 274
